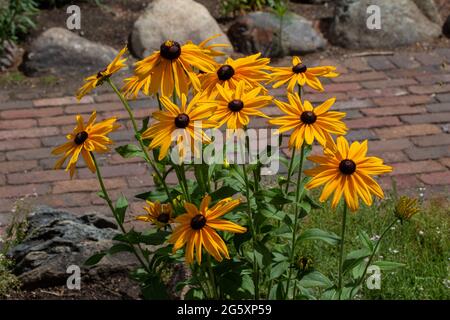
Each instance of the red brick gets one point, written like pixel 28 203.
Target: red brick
pixel 388 83
pixel 439 107
pixel 21 191
pixel 7 145
pixel 17 166
pixel 89 108
pixel 37 176
pixel 29 154
pixel 352 104
pixel 115 159
pixel 31 113
pixel 372 122
pixel 106 97
pixel 433 140
pixel 427 118
pixel 2 179
pixel 437 178
pixel 17 124
pixel 356 77
pixel 140 181
pixel 63 101
pixel 321 97
pixel 62 120
pixel 402 182
pixel 404 61
pixel 392 156
pixel 392 111
pixel 357 63
pixel 380 63
pixel 87 185
pixel 445 162
pixel 428 59
pixel 124 170
pixel 425 153
pixel 407 131
pixel 374 93
pixel 67 200
pixel 388 145
pixel 402 100
pixel 342 87
pixel 429 89
pixel 15 104
pixel 29 133
pixel 412 167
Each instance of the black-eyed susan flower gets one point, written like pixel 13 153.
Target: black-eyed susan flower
pixel 197 228
pixel 302 75
pixel 406 208
pixel 190 118
pixel 157 213
pixel 96 80
pixel 251 70
pixel 236 106
pixel 347 171
pixel 169 70
pixel 308 123
pixel 85 139
pixel 211 48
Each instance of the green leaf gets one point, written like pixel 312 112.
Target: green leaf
pixel 121 208
pixel 120 247
pixel 130 151
pixel 315 279
pixel 154 195
pixel 314 204
pixel 354 258
pixel 93 260
pixel 101 194
pixel 155 238
pixel 389 265
pixel 223 192
pixel 365 240
pixel 154 289
pixel 263 255
pixel 319 234
pixel 278 269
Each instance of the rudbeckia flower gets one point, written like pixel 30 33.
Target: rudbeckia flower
pixel 157 213
pixel 85 139
pixel 309 123
pixel 235 107
pixel 251 70
pixel 197 229
pixel 211 48
pixel 191 118
pixel 347 170
pixel 300 74
pixel 171 68
pixel 96 80
pixel 406 208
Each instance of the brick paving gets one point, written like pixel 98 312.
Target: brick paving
pixel 401 103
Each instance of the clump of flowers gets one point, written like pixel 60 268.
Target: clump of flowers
pixel 219 218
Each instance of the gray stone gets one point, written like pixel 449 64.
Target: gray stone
pixel 178 20
pixel 430 10
pixel 402 23
pixel 57 239
pixel 446 27
pixel 61 52
pixel 260 32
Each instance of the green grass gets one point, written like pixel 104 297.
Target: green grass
pixel 422 244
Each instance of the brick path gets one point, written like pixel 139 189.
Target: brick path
pixel 401 103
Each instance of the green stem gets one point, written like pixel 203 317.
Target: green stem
pixel 212 278
pixel 111 207
pixel 291 163
pixel 138 137
pixel 341 250
pixel 186 186
pixel 297 200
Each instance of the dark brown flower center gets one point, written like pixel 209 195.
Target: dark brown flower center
pixel 182 121
pixel 299 68
pixel 164 217
pixel 170 50
pixel 236 105
pixel 308 117
pixel 225 72
pixel 80 137
pixel 347 166
pixel 198 222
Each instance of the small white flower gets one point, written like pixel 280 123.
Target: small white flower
pixel 421 232
pixel 375 237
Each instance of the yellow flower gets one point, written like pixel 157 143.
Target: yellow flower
pixel 251 70
pixel 211 48
pixel 406 207
pixel 347 170
pixel 169 69
pixel 157 213
pixel 309 123
pixel 235 107
pixel 191 119
pixel 301 74
pixel 197 229
pixel 85 139
pixel 96 80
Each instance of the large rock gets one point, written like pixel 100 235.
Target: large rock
pixel 446 27
pixel 260 32
pixel 61 52
pixel 402 23
pixel 178 20
pixel 57 239
pixel 430 10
